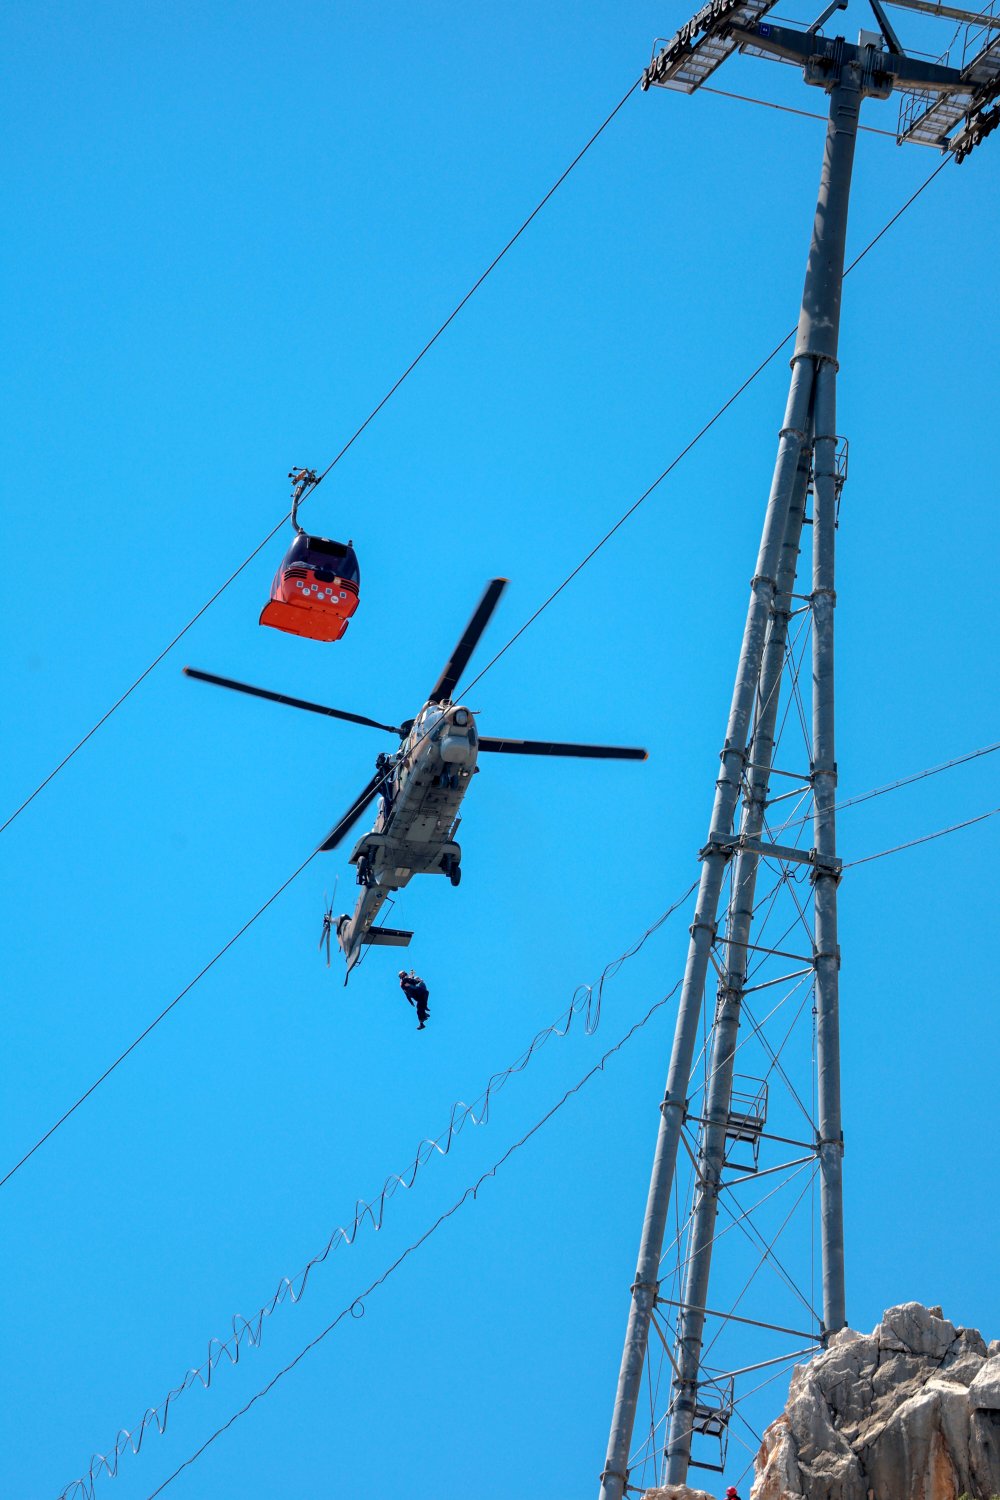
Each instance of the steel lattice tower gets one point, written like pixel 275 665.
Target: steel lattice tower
pixel 724 1117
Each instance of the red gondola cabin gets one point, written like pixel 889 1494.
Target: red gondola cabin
pixel 315 590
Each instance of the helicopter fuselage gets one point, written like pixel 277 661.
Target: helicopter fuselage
pixel 414 832
pixel 420 787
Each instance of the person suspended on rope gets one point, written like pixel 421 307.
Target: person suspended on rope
pixel 731 1493
pixel 417 993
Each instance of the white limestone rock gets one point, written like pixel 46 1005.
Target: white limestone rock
pixel 677 1492
pixel 913 1329
pixel 984 1391
pixel 909 1412
pixel 777 1467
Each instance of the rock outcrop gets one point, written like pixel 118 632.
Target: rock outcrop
pixel 676 1492
pixel 909 1412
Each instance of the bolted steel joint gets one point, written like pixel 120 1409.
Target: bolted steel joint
pixel 817 771
pixel 728 998
pixel 717 846
pixel 681 1104
pixel 820 357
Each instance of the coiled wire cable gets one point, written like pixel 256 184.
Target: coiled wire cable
pixel 357 1307
pixel 586 1003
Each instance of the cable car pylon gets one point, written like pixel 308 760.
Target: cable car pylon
pixel 809 462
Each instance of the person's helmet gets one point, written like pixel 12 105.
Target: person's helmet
pixel 402 973
pixel 732 1493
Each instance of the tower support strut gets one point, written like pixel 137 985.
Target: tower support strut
pixel 806 446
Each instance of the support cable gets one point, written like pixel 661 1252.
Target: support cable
pixel 612 969
pixel 83 1489
pixel 156 1021
pixel 494 660
pixel 895 786
pixel 349 444
pixel 697 437
pixel 720 1234
pixel 775 1057
pixel 756 1032
pixel 179 997
pixel 594 550
pixel 768 1257
pixel 586 1002
pixel 924 839
pixel 786 109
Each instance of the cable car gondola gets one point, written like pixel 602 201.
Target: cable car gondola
pixel 315 590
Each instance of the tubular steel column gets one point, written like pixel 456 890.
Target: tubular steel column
pixel 818 336
pixel 715 858
pixel 815 351
pixel 830 1141
pixel 718 1101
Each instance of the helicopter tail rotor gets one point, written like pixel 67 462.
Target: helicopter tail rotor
pixel 329 922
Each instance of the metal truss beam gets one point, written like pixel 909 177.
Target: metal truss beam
pixel 729 1317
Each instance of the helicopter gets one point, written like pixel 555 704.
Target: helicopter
pixel 421 786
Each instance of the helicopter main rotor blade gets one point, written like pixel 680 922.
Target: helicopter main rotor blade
pixel 354 812
pixel 468 641
pixel 313 708
pixel 553 747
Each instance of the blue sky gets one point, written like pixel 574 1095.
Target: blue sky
pixel 234 227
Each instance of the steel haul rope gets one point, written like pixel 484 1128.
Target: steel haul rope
pixel 492 662
pixel 348 445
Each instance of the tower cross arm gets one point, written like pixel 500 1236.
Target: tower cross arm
pixel 820 54
pixel 701 44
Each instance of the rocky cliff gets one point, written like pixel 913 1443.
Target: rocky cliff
pixel 908 1412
